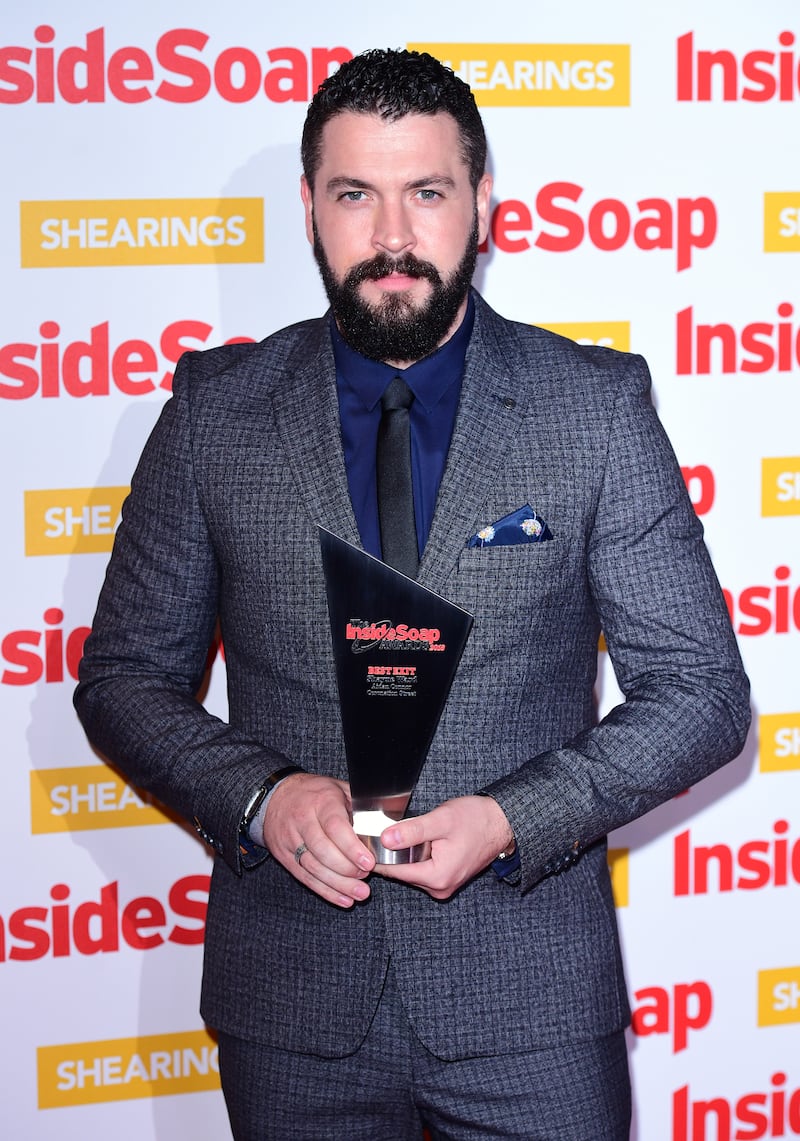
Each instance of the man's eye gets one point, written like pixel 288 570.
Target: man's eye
pixel 353 196
pixel 428 195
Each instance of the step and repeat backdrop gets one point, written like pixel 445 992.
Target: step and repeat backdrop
pixel 647 197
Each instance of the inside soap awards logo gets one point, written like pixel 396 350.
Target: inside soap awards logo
pixel 368 635
pixel 62 926
pixel 182 67
pixel 539 75
pixel 99 362
pixel 672 1011
pixel 767 862
pixel 158 231
pixel 764 345
pixel 770 71
pixel 773 1110
pixel 51 655
pixel 766 608
pixel 561 219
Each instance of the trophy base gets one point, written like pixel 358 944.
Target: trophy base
pixel 368 826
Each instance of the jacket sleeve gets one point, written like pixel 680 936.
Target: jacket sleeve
pixel 686 709
pixel 146 655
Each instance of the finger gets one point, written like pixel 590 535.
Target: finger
pixel 340 890
pixel 414 830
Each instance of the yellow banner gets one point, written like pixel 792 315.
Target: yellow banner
pixel 618 862
pixel 87 797
pixel 779 996
pixel 780 485
pixel 778 742
pixel 147 231
pixel 782 222
pixel 611 334
pixel 540 75
pixel 72 520
pixel 121 1069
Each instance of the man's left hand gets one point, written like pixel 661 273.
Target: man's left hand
pixel 466 834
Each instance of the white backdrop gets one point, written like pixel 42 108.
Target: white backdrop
pixel 647 195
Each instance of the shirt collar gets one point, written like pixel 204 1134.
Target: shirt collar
pixel 428 379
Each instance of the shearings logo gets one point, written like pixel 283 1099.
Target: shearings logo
pixel 779 996
pixel 782 222
pixel 87 797
pixel 181 68
pixel 540 75
pixel 121 1069
pixel 780 485
pixel 72 521
pixel 609 334
pixel 619 866
pixel 779 742
pixel 148 231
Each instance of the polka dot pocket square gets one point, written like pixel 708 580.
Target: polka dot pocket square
pixel 521 526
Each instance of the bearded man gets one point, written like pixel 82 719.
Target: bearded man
pixel 478 992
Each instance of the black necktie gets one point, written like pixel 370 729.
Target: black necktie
pixel 395 491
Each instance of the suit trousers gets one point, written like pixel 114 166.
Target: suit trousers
pixel 392 1088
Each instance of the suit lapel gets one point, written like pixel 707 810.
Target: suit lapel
pixel 494 397
pixel 307 416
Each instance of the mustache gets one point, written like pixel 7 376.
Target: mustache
pixel 383 264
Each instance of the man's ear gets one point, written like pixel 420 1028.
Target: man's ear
pixel 483 200
pixel 308 203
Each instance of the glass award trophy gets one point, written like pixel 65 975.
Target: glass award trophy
pixel 397 646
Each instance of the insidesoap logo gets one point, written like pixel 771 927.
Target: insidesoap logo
pixel 610 334
pixel 618 863
pixel 72 521
pixel 782 222
pixel 85 797
pixel 540 75
pixel 779 996
pixel 780 485
pixel 779 742
pixel 147 231
pixel 121 1069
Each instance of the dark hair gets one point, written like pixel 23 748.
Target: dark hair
pixel 393 84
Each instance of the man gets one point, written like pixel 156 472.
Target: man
pixel 356 1001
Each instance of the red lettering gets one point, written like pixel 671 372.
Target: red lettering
pixel 141 915
pixel 184 902
pixel 757 76
pixel 192 69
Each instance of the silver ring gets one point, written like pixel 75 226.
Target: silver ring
pixel 298 852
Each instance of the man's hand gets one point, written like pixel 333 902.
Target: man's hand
pixel 466 834
pixel 311 814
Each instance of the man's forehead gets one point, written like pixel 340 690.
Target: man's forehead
pixel 367 136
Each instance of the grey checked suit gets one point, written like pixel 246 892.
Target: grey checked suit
pixel 244 462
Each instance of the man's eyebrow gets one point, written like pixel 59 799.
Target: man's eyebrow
pixel 340 182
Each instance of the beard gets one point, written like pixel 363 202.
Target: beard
pixel 396 328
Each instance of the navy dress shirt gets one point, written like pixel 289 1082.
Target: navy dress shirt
pixel 436 384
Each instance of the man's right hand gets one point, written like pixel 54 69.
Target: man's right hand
pixel 310 814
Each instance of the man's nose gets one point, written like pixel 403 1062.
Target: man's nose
pixel 393 230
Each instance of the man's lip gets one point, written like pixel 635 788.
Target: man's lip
pixel 395 280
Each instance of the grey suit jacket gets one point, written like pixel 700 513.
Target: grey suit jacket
pixel 221 521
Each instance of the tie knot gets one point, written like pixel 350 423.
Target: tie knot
pixel 398 395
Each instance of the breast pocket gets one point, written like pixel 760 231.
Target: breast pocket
pixel 513 590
